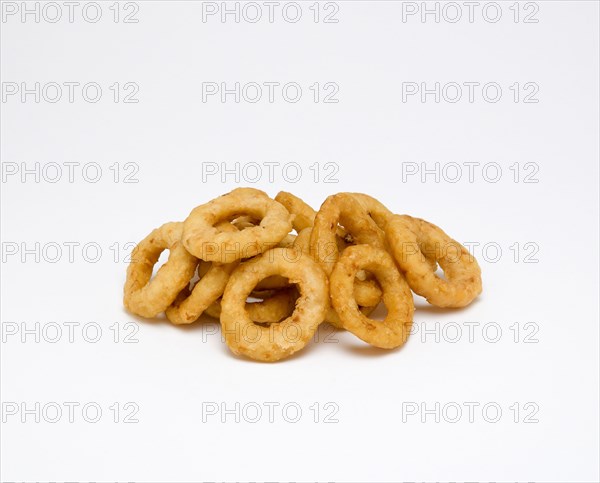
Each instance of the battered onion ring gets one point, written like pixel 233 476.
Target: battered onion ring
pixel 333 318
pixel 276 281
pixel 273 283
pixel 146 297
pixel 280 340
pixel 207 242
pixel 242 222
pixel 188 306
pixel 272 309
pixel 413 241
pixel 214 309
pixel 345 209
pixel 302 241
pixel 303 214
pixel 394 329
pixel 366 292
pixel 381 215
pixel 287 241
pixel 203 268
pixel 375 209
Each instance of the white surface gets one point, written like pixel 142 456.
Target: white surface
pixel 170 372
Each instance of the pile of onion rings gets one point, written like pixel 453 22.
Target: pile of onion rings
pixel 272 270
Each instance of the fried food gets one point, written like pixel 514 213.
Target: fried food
pixel 146 297
pixel 348 211
pixel 205 241
pixel 333 318
pixel 280 340
pixel 303 214
pixel 236 258
pixel 394 329
pixel 302 241
pixel 273 308
pixel 375 209
pixel 414 243
pixel 366 292
pixel 190 304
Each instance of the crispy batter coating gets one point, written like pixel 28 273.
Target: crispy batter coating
pixel 192 301
pixel 375 209
pixel 346 210
pixel 414 243
pixel 189 305
pixel 272 308
pixel 146 297
pixel 282 339
pixel 344 259
pixel 333 318
pixel 394 329
pixel 302 241
pixel 366 292
pixel 303 214
pixel 204 240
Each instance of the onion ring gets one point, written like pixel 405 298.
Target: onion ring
pixel 272 309
pixel 242 222
pixel 302 241
pixel 303 214
pixel 205 241
pixel 415 243
pixel 381 215
pixel 280 340
pixel 342 208
pixel 273 282
pixel 333 318
pixel 375 209
pixel 191 302
pixel 146 297
pixel 188 306
pixel 277 281
pixel 287 241
pixel 366 292
pixel 393 331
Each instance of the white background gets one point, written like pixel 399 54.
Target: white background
pixel 170 372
